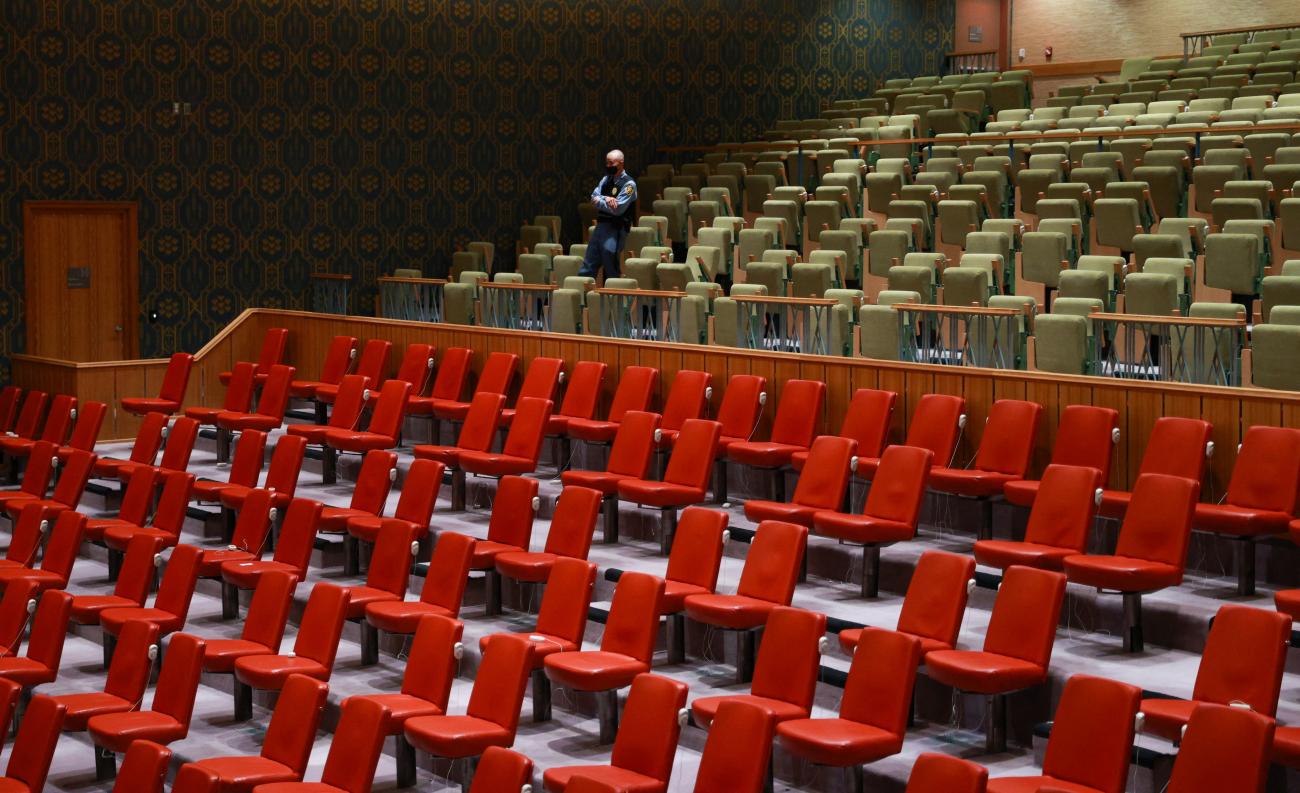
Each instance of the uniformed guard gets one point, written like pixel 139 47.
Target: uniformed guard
pixel 615 202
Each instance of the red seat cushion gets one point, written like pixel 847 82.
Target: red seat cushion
pixel 49 508
pixel 13 445
pixel 219 655
pixel 43 579
pixel 867 467
pixel 83 707
pixel 1240 521
pixel 849 642
pixel 366 527
pixel 25 672
pixel 659 494
pixel 328 392
pixel 270 671
pixel 208 490
pixel 544 645
pixel 1288 602
pixel 675 594
pixel 118 537
pixel 968 482
pixel 704 709
pixel 736 612
pixel 420 405
pixel 95 527
pixel 524 566
pixel 1032 784
pixel 304 389
pixel 334 520
pixel 1286 746
pixel 142 405
pixel 837 742
pixel 862 528
pixel 400 707
pixel 593 670
pixel 86 609
pixel 450 410
pixel 360 596
pixel 1021 492
pixel 762 454
pixel 601 481
pixel 983 673
pixel 1114 503
pixel 455 736
pixel 245 574
pixel 230 420
pixel 1004 553
pixel 1166 717
pixel 618 780
pixel 485 553
pixel 1121 573
pixel 312 433
pixel 113 620
pixel 357 441
pixel 211 560
pixel 117 731
pixel 296 787
pixel 592 431
pixel 247 771
pixel 397 616
pixel 758 511
pixel 449 456
pixel 493 464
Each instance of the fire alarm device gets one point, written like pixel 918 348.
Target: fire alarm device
pixel 1047 53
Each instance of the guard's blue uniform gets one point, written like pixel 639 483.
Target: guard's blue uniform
pixel 611 224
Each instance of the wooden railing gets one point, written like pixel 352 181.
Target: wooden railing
pixel 1193 43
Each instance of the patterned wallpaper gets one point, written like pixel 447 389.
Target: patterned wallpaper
pixel 359 136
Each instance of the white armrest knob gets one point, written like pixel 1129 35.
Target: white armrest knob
pixel 1114 435
pixel 153 652
pixel 1096 497
pixel 726 536
pixel 1209 449
pixel 537 503
pixel 823 644
pixel 415 547
pixel 682 716
pixel 961 421
pixel 458 650
pixel 392 474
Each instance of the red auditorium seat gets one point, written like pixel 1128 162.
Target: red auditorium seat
pixel 248 539
pixel 10 693
pixel 767 581
pixel 521 449
pixel 1091 740
pixel 268 613
pixel 176 453
pixel 58 421
pixel 572 524
pixel 739 415
pixel 268 416
pixel 626 649
pixel 1178 447
pixel 629 458
pixel 686 480
pixel 281 475
pixel 353 756
pixel 383 432
pixel 9 396
pixel 688 398
pixel 737 752
pixel 168 518
pixel 144 451
pixel 286 748
pixel 541 381
pixel 134 581
pixel 386 581
pixel 40 663
pixel 314 650
pixel 941 773
pixel 85 432
pixel 128 677
pixel 16 607
pixel 170 395
pixel 866 422
pixel 934 604
pixel 493 712
pixel 349 403
pixel 1003 456
pixel 502 771
pixel 442 593
pixel 477 434
pixel 785 674
pixel 581 396
pixel 371 365
pixel 133 508
pixel 238 398
pixel 340 353
pixel 1085 437
pixel 636 388
pixel 245 469
pixel 798 415
pixel 646 744
pixel 873 712
pixel 168 718
pixel 25 541
pixel 30 414
pixel 693 566
pixel 270 354
pixel 561 624
pixel 60 555
pixel 429 671
pixel 1152 548
pixel 1017 646
pixel 890 514
pixel 415 368
pixel 448 382
pixel 1261 496
pixel 1059 523
pixel 495 378
pixel 1242 663
pixel 38 735
pixel 292 552
pixel 171 606
pixel 821 488
pixel 68 490
pixel 36 478
pixel 510 528
pixel 1224 748
pixel 369 494
pixel 935 424
pixel 144 768
pixel 414 509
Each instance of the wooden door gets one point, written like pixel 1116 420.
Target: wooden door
pixel 81 276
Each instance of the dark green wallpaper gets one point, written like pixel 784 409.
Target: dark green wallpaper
pixel 363 135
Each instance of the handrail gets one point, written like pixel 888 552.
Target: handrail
pixel 331 276
pixel 517 287
pixel 1148 319
pixel 393 279
pixel 667 293
pixel 1193 43
pixel 789 301
pixel 983 311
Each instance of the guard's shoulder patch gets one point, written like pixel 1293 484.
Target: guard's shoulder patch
pixel 631 186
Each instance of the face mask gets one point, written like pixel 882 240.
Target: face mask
pixel 611 169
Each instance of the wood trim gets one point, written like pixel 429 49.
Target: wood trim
pixel 1254 29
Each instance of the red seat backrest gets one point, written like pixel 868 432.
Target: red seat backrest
pixel 742 405
pixel 138 497
pixel 144 768
pixel 687 398
pixel 1086 437
pixel 696 554
pixel 286 463
pixel 390 409
pixel 513 511
pixel 789 657
pixel 636 387
pixel 9 406
pixel 501 769
pixel 692 459
pixel 390 563
pixel 169 516
pixel 737 751
pixel 294 721
pixel 275 392
pixel 358 741
pixel 480 428
pixel 253 522
pixel 899 487
pixel 149 438
pixel 1025 615
pixel 867 420
pixel 250 453
pixel 49 626
pixel 374 360
pixel 573 522
pixel 1062 515
pixel 39 469
pixel 528 430
pixel 1158 523
pixel 936 425
pixel 565 600
pixel 878 690
pixel 1224 748
pixel 444 584
pixel 941 773
pixel 29 762
pixel 64 542
pixel 1092 733
pixel 1267 472
pixel 72 482
pixel 826 474
pixel 298 533
pixel 419 492
pixel 272 352
pixel 772 564
pixel 239 391
pixel 583 390
pixel 498 371
pixel 432 664
pixel 321 625
pixel 633 621
pixel 374 480
pixel 128 672
pixel 1177 447
pixel 14 613
pixel 453 373
pixel 499 684
pixel 1243 660
pixel 417 363
pixel 29 415
pixel 634 444
pixel 90 419
pixel 59 419
pixel 542 379
pixel 354 393
pixel 176 589
pixel 28 534
pixel 646 742
pixel 799 412
pixel 268 611
pixel 135 577
pixel 338 359
pixel 176 378
pixel 936 596
pixel 1007 445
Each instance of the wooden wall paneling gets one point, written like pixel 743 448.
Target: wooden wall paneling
pixel 1225 414
pixel 1260 410
pixel 1143 408
pixel 1044 393
pixel 839 393
pixel 1115 398
pixel 1006 388
pixel 1290 415
pixel 896 380
pixel 770 368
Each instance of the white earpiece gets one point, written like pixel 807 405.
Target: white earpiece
pixel 365 395
pixel 158 560
pixel 1139 721
pixel 352 354
pixel 55 463
pixel 562 377
pixel 961 421
pixel 392 474
pixel 1209 449
pixel 726 536
pixel 537 503
pixel 153 652
pixel 762 397
pixel 1096 497
pixel 659 436
pixel 1182 732
pixel 415 548
pixel 970 587
pixel 31 606
pixel 45 526
pixel 853 463
pixel 458 651
pixel 72 414
pixel 526 789
pixel 271 514
pixel 823 644
pixel 708 392
pixel 232 548
pixel 1239 705
pixel 428 364
pixel 1239 448
pixel 683 716
pixel 1114 435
